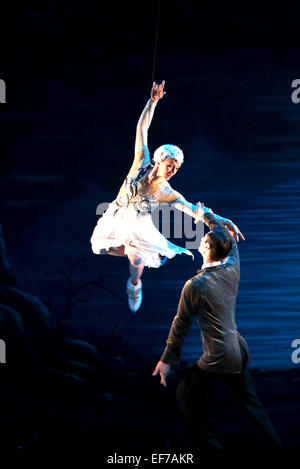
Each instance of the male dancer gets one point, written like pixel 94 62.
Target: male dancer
pixel 211 297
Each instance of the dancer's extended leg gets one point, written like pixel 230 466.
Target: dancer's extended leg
pixel 134 283
pixel 136 267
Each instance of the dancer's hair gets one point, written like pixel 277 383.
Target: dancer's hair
pixel 220 244
pixel 168 151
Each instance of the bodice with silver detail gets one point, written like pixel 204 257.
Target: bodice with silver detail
pixel 144 204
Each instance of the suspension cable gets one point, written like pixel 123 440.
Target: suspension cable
pixel 156 40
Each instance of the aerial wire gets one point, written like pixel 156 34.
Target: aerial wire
pixel 156 40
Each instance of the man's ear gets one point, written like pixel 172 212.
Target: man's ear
pixel 208 245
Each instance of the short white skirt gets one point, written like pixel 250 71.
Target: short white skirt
pixel 123 226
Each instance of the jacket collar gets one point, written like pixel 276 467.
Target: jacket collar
pixel 212 266
pixel 210 269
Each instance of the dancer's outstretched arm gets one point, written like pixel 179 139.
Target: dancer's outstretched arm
pixel 141 152
pixel 186 207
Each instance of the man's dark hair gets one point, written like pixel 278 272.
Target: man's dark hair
pixel 220 244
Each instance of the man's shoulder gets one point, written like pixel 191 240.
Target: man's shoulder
pixel 208 280
pixel 198 282
pixel 194 291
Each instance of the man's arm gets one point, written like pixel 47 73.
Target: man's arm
pixel 227 227
pixel 196 211
pixel 189 303
pixel 141 152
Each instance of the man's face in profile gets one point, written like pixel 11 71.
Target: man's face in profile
pixel 204 244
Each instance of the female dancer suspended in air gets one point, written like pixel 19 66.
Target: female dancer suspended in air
pixel 126 228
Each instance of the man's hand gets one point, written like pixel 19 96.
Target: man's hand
pixel 157 91
pixel 231 227
pixel 163 369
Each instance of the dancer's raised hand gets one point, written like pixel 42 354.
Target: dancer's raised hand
pixel 157 91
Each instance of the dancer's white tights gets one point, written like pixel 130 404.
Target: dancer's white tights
pixel 136 266
pixel 136 263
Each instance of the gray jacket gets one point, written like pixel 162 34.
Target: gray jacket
pixel 211 297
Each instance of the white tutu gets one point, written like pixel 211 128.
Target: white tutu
pixel 123 226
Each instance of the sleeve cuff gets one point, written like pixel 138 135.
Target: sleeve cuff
pixel 169 359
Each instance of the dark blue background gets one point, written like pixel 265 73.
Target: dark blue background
pixel 78 75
